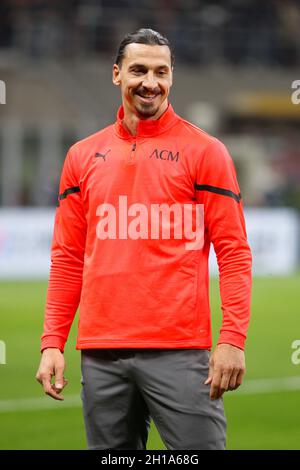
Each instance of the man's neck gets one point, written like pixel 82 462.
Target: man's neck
pixel 131 120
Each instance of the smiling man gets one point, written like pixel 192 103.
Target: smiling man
pixel 145 76
pixel 145 324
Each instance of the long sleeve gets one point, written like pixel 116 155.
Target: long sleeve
pixel 217 188
pixel 67 259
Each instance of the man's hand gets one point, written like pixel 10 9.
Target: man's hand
pixel 226 370
pixel 52 364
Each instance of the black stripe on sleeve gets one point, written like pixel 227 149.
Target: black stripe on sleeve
pixel 215 189
pixel 75 189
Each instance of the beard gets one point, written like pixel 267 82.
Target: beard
pixel 146 110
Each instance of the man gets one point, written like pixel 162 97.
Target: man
pixel 144 329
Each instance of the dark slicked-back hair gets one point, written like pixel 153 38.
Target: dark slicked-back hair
pixel 143 36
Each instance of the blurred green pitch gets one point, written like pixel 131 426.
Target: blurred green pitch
pixel 255 421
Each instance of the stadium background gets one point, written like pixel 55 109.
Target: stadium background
pixel 236 61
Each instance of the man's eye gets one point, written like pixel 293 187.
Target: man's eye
pixel 137 72
pixel 161 73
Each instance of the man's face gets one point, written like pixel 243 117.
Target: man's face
pixel 145 77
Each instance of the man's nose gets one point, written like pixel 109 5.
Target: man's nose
pixel 150 81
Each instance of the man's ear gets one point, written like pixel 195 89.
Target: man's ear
pixel 171 82
pixel 116 76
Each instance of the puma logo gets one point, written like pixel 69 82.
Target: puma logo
pixel 102 155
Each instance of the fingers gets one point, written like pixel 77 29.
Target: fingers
pixel 53 390
pixel 236 379
pixel 226 371
pixel 215 384
pixel 225 380
pixel 220 383
pixel 240 377
pixel 52 364
pixel 232 382
pixel 60 381
pixel 44 378
pixel 58 389
pixel 59 378
pixel 50 389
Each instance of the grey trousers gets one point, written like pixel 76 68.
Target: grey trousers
pixel 123 388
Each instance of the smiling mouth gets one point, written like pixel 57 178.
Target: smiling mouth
pixel 147 98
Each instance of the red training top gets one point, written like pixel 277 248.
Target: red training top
pixel 144 291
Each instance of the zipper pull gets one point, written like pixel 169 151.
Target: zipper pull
pixel 131 156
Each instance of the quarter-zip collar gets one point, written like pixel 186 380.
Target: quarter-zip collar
pixel 147 127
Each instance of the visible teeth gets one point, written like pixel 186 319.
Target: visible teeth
pixel 144 96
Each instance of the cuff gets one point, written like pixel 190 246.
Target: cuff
pixel 53 342
pixel 230 337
